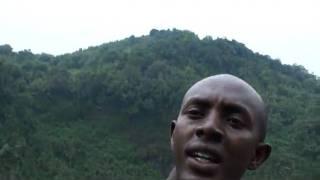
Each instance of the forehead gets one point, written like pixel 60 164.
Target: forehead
pixel 228 90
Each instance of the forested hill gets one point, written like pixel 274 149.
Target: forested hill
pixel 104 112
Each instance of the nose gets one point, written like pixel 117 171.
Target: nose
pixel 209 129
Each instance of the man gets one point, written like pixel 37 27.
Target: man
pixel 220 131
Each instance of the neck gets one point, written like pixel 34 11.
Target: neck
pixel 172 175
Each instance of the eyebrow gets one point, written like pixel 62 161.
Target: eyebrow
pixel 235 107
pixel 197 101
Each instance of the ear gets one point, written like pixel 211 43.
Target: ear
pixel 173 126
pixel 262 153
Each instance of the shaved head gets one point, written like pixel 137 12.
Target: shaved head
pixel 234 86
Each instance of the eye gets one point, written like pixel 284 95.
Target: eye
pixel 235 122
pixel 194 113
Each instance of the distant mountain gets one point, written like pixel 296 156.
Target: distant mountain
pixel 104 112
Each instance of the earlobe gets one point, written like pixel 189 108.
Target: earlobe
pixel 262 153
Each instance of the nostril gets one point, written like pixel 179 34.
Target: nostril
pixel 209 134
pixel 199 132
pixel 217 136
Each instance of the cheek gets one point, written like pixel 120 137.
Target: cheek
pixel 180 137
pixel 241 145
pixel 181 134
pixel 239 152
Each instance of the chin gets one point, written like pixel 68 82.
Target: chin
pixel 190 175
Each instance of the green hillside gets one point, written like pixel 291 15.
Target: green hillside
pixel 104 112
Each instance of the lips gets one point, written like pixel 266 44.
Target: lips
pixel 204 154
pixel 204 157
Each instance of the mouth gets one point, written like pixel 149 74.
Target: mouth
pixel 203 160
pixel 203 157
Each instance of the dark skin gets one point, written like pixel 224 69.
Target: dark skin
pixel 220 131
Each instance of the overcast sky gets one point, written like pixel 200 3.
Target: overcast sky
pixel 288 30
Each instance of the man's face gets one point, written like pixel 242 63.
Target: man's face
pixel 216 133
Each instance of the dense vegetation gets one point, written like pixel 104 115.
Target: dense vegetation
pixel 104 112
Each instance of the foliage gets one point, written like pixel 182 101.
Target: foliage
pixel 104 112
